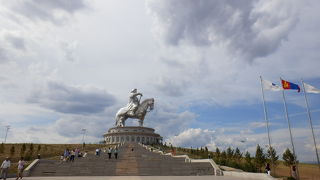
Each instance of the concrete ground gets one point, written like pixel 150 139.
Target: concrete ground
pixel 132 178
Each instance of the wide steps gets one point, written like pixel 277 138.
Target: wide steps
pixel 139 162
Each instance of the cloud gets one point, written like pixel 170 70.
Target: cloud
pixel 69 50
pixel 171 87
pixel 192 137
pixel 3 55
pixel 96 126
pixel 168 120
pixel 47 10
pixel 75 100
pixel 251 28
pixel 16 42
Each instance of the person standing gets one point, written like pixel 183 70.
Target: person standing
pixel 77 151
pixel 109 152
pixel 268 169
pixel 21 164
pixel 72 155
pixel 66 154
pixel 5 168
pixel 115 153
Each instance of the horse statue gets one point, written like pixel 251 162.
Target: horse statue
pixel 144 107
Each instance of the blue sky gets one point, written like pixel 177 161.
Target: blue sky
pixel 69 65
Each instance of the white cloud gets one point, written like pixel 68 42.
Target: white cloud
pixel 67 99
pixel 251 28
pixel 46 10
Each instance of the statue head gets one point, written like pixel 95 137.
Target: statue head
pixel 134 90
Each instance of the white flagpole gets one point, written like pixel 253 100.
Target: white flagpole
pixel 289 126
pixel 265 112
pixel 310 121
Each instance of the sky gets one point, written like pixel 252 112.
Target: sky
pixel 69 65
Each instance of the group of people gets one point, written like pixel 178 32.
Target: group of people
pixel 110 151
pixel 70 155
pixel 114 151
pixel 6 165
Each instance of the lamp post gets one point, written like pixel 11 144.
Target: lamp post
pixel 83 133
pixel 7 129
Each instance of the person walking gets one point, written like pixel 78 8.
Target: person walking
pixel 115 153
pixel 5 168
pixel 109 152
pixel 21 164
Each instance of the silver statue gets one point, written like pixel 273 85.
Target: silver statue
pixel 134 109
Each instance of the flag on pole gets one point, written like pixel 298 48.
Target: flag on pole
pixel 270 86
pixel 289 85
pixel 310 89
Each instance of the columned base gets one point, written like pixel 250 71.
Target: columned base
pixel 137 134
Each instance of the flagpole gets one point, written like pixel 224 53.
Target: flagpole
pixel 266 116
pixel 265 112
pixel 289 125
pixel 310 121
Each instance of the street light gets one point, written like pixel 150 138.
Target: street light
pixel 7 129
pixel 84 132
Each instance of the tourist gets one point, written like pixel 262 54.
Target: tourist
pixel 66 155
pixel 115 153
pixel 268 169
pixel 294 173
pixel 72 154
pixel 5 168
pixel 21 164
pixel 62 158
pixel 109 152
pixel 77 152
pixel 97 152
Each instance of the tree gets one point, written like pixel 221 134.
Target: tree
pixel 230 153
pixel 259 159
pixel 23 149
pixel 237 155
pixel 248 166
pixel 39 148
pixel 217 156
pixel 12 150
pixel 223 159
pixel 272 158
pixel 31 147
pixel 2 148
pixel 289 159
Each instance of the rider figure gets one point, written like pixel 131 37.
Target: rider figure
pixel 133 102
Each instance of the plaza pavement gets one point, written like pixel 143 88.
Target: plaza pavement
pixel 132 178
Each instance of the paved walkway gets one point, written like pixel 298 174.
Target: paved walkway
pixel 132 178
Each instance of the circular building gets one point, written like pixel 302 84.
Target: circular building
pixel 136 134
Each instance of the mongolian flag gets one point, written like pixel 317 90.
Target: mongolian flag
pixel 289 85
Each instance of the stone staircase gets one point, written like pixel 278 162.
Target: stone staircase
pixel 139 162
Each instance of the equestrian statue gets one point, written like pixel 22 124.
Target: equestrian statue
pixel 134 109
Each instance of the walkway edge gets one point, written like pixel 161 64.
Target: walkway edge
pixel 27 170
